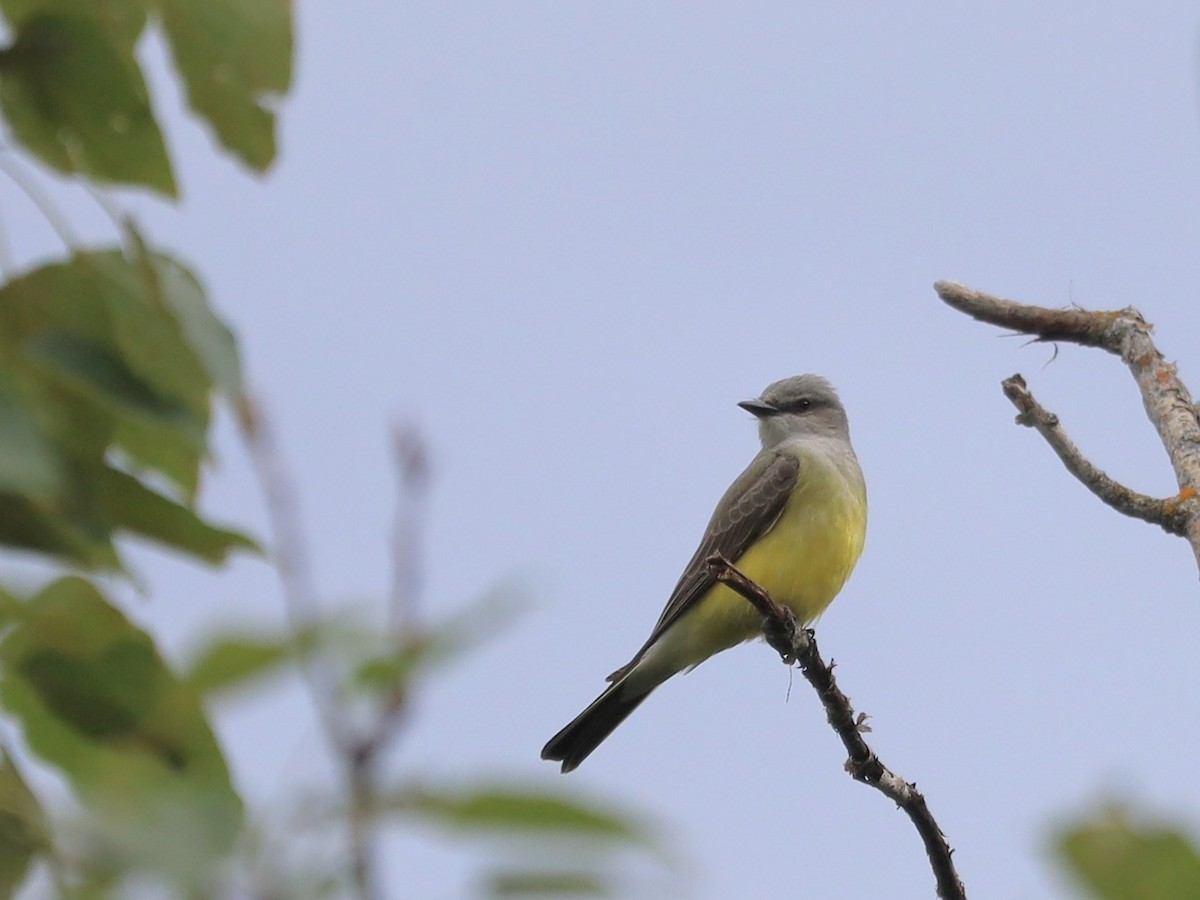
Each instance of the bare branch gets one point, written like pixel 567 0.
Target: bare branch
pixel 29 186
pixel 1127 334
pixel 1092 329
pixel 357 748
pixel 300 600
pixel 796 644
pixel 412 478
pixel 1166 513
pixel 412 470
pixel 291 559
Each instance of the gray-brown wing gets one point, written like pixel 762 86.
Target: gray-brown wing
pixel 748 510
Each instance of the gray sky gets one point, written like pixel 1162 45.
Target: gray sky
pixel 565 239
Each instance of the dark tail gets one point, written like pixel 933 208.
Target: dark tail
pixel 574 743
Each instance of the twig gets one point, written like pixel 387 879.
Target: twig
pixel 1166 513
pixel 120 221
pixel 299 593
pixel 291 558
pixel 1080 326
pixel 799 645
pixel 1126 334
pixel 358 749
pixel 412 465
pixel 412 477
pixel 39 198
pixel 7 267
pixel 359 825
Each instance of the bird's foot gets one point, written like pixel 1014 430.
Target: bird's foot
pixel 781 633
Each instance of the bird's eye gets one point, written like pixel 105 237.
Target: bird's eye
pixel 804 404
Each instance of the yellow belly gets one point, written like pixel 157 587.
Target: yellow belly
pixel 802 562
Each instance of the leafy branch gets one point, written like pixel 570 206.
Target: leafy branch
pixel 357 748
pixel 111 362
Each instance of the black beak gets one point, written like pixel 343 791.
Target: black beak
pixel 759 408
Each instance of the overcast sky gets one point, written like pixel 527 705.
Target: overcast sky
pixel 565 239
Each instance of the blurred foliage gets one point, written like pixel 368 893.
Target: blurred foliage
pixel 1115 857
pixel 510 810
pixel 73 92
pixel 237 660
pixel 233 56
pixel 107 365
pixel 95 699
pixel 558 845
pixel 111 359
pixel 23 829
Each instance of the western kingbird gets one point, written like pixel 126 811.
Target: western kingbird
pixel 794 522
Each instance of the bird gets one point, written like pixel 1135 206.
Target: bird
pixel 794 522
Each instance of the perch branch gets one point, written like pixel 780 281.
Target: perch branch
pixel 1166 513
pixel 1126 334
pixel 799 645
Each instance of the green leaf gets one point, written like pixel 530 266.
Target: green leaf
pixel 153 430
pixel 112 363
pixel 233 56
pixel 210 338
pixel 502 810
pixel 120 359
pixel 1117 859
pixel 68 534
pixel 536 883
pixel 95 699
pixel 414 654
pixel 121 20
pixel 210 341
pixel 75 96
pixel 147 331
pixel 151 340
pixel 97 371
pixel 10 608
pixel 393 668
pixel 105 366
pixel 129 505
pixel 23 832
pixel 231 661
pixel 101 298
pixel 57 297
pixel 30 464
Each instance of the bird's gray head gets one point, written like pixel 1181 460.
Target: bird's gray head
pixel 798 406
